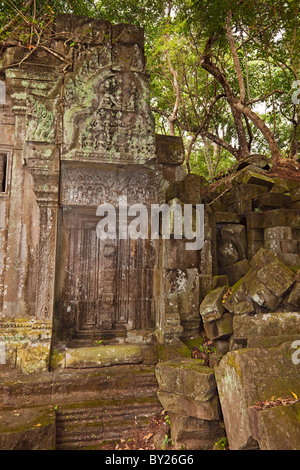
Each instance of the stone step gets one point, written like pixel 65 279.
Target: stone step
pixel 75 386
pixel 86 425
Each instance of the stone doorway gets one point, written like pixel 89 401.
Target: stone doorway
pixel 105 288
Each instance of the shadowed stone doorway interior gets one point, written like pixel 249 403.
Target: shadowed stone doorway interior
pixel 104 288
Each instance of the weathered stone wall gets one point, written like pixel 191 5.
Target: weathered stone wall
pixel 87 104
pixel 78 132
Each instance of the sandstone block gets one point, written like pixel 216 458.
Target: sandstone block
pixel 237 234
pixel 220 328
pixel 245 376
pixel 276 428
pixel 180 404
pixel 265 325
pixel 251 177
pixel 261 259
pixel 193 433
pixel 236 271
pixel 169 149
pixel 211 307
pixel 294 296
pixel 272 201
pixel 260 294
pixel 28 429
pixel 276 277
pixel 186 377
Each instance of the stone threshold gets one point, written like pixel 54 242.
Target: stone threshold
pixel 102 356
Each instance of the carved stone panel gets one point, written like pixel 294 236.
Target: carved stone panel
pixel 83 185
pixel 106 114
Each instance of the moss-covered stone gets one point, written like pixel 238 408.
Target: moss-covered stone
pixel 27 429
pixel 102 356
pixel 276 428
pixel 277 277
pixel 211 307
pixel 166 352
pixel 246 376
pixel 186 377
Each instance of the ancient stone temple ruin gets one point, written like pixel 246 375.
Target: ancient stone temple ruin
pixel 97 335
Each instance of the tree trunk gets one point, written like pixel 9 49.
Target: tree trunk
pixel 267 133
pixel 243 150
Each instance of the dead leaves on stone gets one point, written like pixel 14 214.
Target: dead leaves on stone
pixel 274 402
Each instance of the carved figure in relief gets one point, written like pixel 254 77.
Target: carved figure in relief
pixel 39 121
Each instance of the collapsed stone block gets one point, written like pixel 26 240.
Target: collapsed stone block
pixel 276 277
pixel 169 149
pixel 251 177
pixel 186 377
pixel 220 281
pixel 239 199
pixel 261 259
pixel 220 328
pixel 276 428
pixel 191 433
pixel 294 296
pixel 211 307
pixel 186 387
pixel 236 296
pixel 246 376
pixel 236 271
pixel 183 405
pixel 272 201
pixel 260 294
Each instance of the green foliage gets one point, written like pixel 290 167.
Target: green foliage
pixel 177 35
pixel 222 444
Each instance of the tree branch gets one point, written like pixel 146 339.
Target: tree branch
pixel 264 97
pixel 15 19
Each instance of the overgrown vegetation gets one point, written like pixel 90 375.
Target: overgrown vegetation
pixel 224 74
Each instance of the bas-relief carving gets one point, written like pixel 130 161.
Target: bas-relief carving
pixel 91 187
pixel 39 121
pixel 106 116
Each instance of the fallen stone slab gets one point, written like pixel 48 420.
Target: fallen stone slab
pixel 294 296
pixel 272 200
pixel 220 328
pixel 27 429
pixel 276 428
pixel 246 376
pixel 277 277
pixel 252 177
pixel 237 295
pixel 261 258
pixel 211 307
pixel 236 271
pixel 260 294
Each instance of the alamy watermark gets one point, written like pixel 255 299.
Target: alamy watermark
pixel 181 221
pixel 296 354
